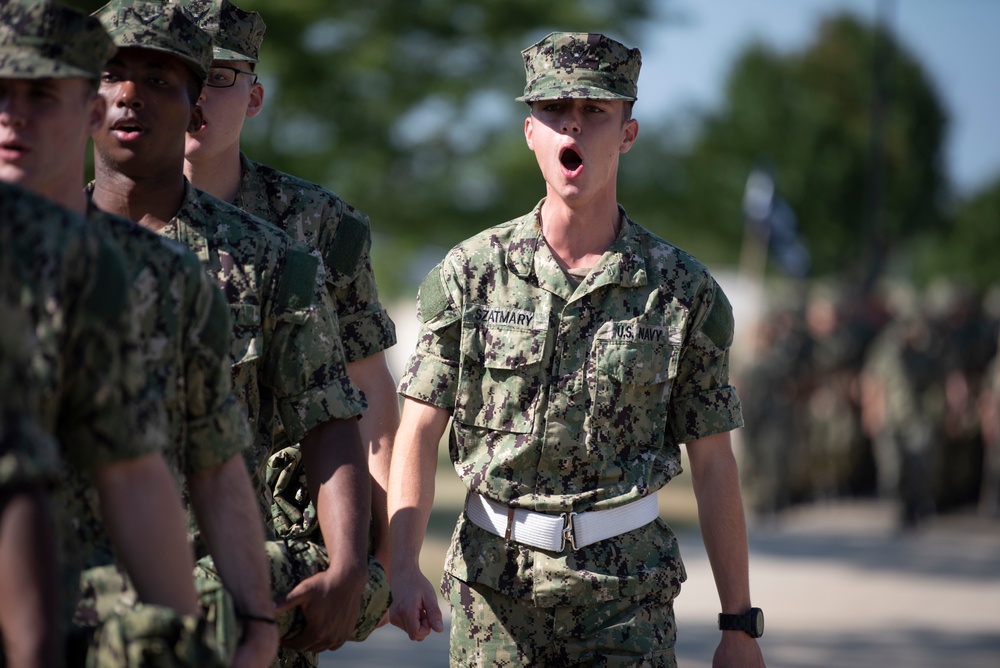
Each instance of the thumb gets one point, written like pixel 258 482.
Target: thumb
pixel 292 599
pixel 433 613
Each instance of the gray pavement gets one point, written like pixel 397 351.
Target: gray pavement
pixel 840 587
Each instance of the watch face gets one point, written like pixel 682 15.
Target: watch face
pixel 758 622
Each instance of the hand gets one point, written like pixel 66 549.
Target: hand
pixel 737 650
pixel 331 603
pixel 414 605
pixel 258 647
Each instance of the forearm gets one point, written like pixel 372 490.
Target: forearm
pixel 141 508
pixel 378 428
pixel 337 473
pixel 28 596
pixel 720 514
pixel 411 480
pixel 228 516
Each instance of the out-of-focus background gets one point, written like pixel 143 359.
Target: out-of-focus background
pixel 835 163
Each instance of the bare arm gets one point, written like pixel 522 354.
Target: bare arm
pixel 378 428
pixel 337 474
pixel 141 508
pixel 411 495
pixel 224 503
pixel 28 597
pixel 723 529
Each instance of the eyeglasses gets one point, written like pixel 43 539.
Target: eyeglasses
pixel 224 77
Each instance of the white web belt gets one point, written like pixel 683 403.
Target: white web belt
pixel 552 532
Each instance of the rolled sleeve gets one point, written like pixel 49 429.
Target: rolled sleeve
pixel 306 367
pixel 705 403
pixel 431 375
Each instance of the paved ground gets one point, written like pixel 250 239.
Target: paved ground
pixel 840 588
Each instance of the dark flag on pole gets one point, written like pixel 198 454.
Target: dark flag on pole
pixel 771 220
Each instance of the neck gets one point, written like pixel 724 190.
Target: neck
pixel 69 196
pixel 150 201
pixel 579 236
pixel 65 186
pixel 219 177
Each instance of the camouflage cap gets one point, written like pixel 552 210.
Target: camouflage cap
pixel 236 33
pixel 158 26
pixel 583 65
pixel 43 39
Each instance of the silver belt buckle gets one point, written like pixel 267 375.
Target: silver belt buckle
pixel 567 531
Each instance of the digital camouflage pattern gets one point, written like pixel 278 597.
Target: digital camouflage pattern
pixel 158 26
pixel 64 296
pixel 288 365
pixel 499 631
pixel 236 33
pixel 566 65
pixel 183 333
pixel 316 216
pixel 571 398
pixel 28 455
pixel 342 234
pixel 65 307
pixel 46 39
pixel 291 562
pixel 151 636
pixel 110 616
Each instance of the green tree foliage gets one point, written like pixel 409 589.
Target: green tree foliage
pixel 965 250
pixel 406 109
pixel 809 114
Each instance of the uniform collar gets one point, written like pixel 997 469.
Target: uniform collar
pixel 622 264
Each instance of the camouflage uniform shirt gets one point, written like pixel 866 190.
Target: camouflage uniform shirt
pixel 571 398
pixel 319 218
pixel 64 305
pixel 183 331
pixel 288 364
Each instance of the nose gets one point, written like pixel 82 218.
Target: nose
pixel 571 120
pixel 127 95
pixel 12 112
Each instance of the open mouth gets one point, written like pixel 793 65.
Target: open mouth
pixel 127 129
pixel 571 160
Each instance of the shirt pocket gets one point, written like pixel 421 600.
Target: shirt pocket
pixel 500 377
pixel 633 371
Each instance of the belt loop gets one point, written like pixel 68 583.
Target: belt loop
pixel 510 523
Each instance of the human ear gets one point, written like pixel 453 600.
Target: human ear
pixel 197 118
pixel 631 132
pixel 256 103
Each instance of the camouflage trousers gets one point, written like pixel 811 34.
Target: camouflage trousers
pixel 292 561
pixel 490 629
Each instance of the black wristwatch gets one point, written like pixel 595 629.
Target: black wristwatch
pixel 751 621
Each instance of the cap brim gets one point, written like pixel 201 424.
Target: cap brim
pixel 22 65
pixel 578 94
pixel 219 53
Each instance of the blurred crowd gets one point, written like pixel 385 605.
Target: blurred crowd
pixel 894 394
